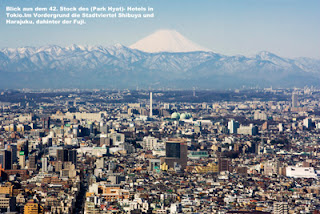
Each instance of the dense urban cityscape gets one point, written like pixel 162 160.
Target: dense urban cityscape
pixel 160 151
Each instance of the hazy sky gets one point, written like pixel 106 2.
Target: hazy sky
pixel 289 28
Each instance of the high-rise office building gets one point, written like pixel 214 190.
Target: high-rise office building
pixel 295 102
pixel 62 155
pixel 173 150
pixel 44 162
pixel 65 155
pixel 104 128
pixel 5 159
pixel 72 156
pixel 224 165
pixel 248 130
pixel 233 127
pixel 307 122
pixel 45 123
pixel 32 162
pixel 13 149
pixel 22 161
pixel 176 153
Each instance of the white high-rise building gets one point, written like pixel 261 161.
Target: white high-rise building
pixel 151 104
pixel 150 143
pixel 307 122
pixel 44 162
pixel 280 127
pixel 233 126
pixel 248 130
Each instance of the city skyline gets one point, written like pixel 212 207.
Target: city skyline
pixel 96 151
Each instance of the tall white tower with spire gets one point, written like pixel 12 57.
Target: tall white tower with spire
pixel 150 104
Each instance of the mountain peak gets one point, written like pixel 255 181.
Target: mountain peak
pixel 74 47
pixel 166 41
pixel 118 45
pixel 265 54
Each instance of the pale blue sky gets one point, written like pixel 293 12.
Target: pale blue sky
pixel 289 28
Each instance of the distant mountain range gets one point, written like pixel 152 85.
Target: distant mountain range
pixel 123 67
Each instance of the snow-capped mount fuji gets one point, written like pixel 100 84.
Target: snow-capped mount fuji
pixel 166 41
pixel 119 66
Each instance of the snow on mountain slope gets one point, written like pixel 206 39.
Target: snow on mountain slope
pixel 267 56
pixel 115 63
pixel 307 64
pixel 98 57
pixel 166 41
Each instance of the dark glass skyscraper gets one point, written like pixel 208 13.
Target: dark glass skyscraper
pixel 64 155
pixel 173 149
pixel 176 152
pixel 5 159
